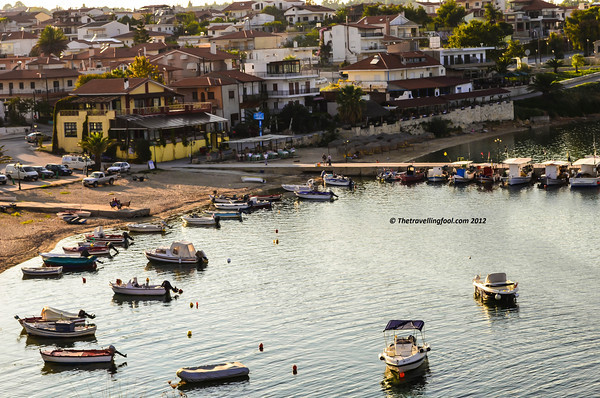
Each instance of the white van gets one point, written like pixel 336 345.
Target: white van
pixel 77 161
pixel 22 172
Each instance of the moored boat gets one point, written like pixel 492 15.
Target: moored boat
pixel 403 353
pixel 195 219
pixel 147 227
pixel 339 181
pixel 304 187
pixel 222 371
pixel 232 206
pixel 411 175
pixel 254 179
pixel 69 262
pixel 437 174
pixel 519 171
pixel 486 174
pixel 60 329
pixel 588 174
pixel 496 288
pixel 228 199
pixel 78 213
pixel 98 235
pixel 556 173
pixel 232 215
pixel 133 288
pixel 89 248
pixel 463 172
pixel 78 357
pixel 256 204
pixel 389 175
pixel 50 314
pixel 315 195
pixel 270 198
pixel 42 271
pixel 179 253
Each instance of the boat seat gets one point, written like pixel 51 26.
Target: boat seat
pixel 499 277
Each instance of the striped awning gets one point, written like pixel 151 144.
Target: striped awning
pixel 172 121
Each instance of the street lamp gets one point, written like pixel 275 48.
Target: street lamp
pixel 346 150
pixel 587 50
pixel 498 141
pixel 19 173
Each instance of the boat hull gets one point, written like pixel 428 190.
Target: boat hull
pixel 70 263
pixel 401 364
pixel 47 329
pixel 77 357
pixel 151 290
pixel 225 215
pixel 42 271
pixel 202 221
pixel 229 370
pixel 512 180
pixel 254 179
pixel 339 182
pixel 146 228
pixel 584 182
pixel 161 258
pixel 437 178
pixel 324 196
pixel 232 206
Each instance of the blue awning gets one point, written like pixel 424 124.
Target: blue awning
pixel 404 325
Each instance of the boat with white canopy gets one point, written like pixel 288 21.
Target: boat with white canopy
pixel 556 173
pixel 496 287
pixel 588 174
pixel 463 173
pixel 402 352
pixel 519 171
pixel 180 252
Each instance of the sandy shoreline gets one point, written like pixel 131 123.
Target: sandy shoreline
pixel 169 193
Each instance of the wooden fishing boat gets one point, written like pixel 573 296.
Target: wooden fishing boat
pixel 486 174
pixel 270 198
pixel 79 357
pixel 437 174
pixel 588 174
pixel 496 288
pixel 206 373
pixel 556 173
pixel 259 204
pixel 50 314
pixel 403 353
pixel 228 199
pixel 305 187
pixel 69 261
pixel 411 175
pixel 315 195
pixel 42 271
pixel 519 171
pixel 60 329
pixel 179 253
pixel 96 249
pixel 100 236
pixel 339 181
pixel 232 206
pixel 463 172
pixel 146 227
pixel 133 288
pixel 254 179
pixel 195 219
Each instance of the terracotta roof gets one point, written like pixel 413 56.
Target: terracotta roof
pixel 33 74
pixel 376 19
pixel 46 61
pixel 203 81
pixel 362 26
pixel 237 75
pixel 94 24
pixel 20 35
pixel 245 34
pixel 314 8
pixel 392 61
pixel 239 6
pixel 200 52
pixel 112 86
pixel 429 82
pixel 219 27
pixel 538 5
pixel 131 34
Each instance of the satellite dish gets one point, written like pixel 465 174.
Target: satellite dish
pixel 527 52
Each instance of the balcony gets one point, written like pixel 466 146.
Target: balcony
pixel 302 73
pixel 254 97
pixel 292 93
pixel 371 34
pixel 64 113
pixel 174 109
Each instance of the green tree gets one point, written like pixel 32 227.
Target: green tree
pixel 96 144
pixel 51 41
pixel 545 83
pixel 297 116
pixel 492 14
pixel 274 11
pixel 141 67
pixel 583 28
pixel 476 33
pixel 554 64
pixel 514 50
pixel 275 26
pixel 577 61
pixel 450 14
pixel 502 64
pixel 141 34
pixel 556 44
pixel 350 104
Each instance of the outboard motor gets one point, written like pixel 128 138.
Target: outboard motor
pixel 111 246
pixel 218 221
pixel 201 256
pixel 85 253
pixel 83 314
pixel 167 285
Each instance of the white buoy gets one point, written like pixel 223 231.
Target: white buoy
pixel 497 296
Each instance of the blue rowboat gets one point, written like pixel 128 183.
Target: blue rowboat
pixel 233 215
pixel 69 262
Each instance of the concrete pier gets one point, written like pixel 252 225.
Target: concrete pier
pixel 104 211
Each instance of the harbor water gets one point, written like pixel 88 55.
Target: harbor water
pixel 316 283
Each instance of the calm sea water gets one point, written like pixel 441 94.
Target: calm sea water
pixel 322 296
pixel 540 144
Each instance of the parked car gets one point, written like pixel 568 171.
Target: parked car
pixel 3 179
pixel 35 137
pixel 77 161
pixel 59 169
pixel 98 178
pixel 43 172
pixel 22 172
pixel 119 167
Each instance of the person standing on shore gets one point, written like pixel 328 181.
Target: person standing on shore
pixel 266 158
pixel 328 160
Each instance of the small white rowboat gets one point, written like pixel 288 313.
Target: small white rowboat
pixel 194 219
pixel 254 179
pixel 41 271
pixel 77 357
pixel 146 227
pixel 221 371
pixel 132 288
pixel 62 329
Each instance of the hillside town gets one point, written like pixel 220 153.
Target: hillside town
pixel 184 80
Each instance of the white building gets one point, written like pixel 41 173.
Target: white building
pixel 306 13
pixel 98 30
pixel 17 43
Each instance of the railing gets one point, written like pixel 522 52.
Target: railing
pixel 254 97
pixel 290 93
pixel 69 113
pixel 376 34
pixel 373 48
pixel 169 109
pixel 286 75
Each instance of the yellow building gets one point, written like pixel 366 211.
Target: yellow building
pixel 138 109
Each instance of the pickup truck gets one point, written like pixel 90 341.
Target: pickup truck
pixel 97 178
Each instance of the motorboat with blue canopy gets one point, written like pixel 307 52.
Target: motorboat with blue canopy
pixel 402 352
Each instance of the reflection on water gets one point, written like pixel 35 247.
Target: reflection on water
pixel 42 342
pixel 411 385
pixel 179 270
pixel 53 368
pixel 185 386
pixel 135 301
pixel 497 310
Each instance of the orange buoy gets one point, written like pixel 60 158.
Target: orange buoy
pixel 83 280
pixel 196 304
pixel 294 369
pixel 401 374
pixel 260 347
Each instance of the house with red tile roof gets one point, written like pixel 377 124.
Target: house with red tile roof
pixel 194 61
pixel 533 19
pixel 17 43
pixel 238 9
pixel 308 13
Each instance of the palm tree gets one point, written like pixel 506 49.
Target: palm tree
pixel 52 41
pixel 97 144
pixel 4 158
pixel 351 104
pixel 545 83
pixel 555 64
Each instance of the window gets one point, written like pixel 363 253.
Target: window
pixel 55 84
pixel 21 85
pixel 231 94
pixel 10 86
pixel 274 86
pixel 32 85
pixel 210 95
pixel 1 86
pixel 235 117
pixel 95 127
pixel 70 129
pixel 69 83
pixel 195 95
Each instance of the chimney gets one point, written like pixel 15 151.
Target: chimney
pixel 213 48
pixel 387 26
pixel 126 84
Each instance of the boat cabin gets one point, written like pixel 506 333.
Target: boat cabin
pixel 555 168
pixel 183 249
pixel 588 166
pixel 437 171
pixel 517 166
